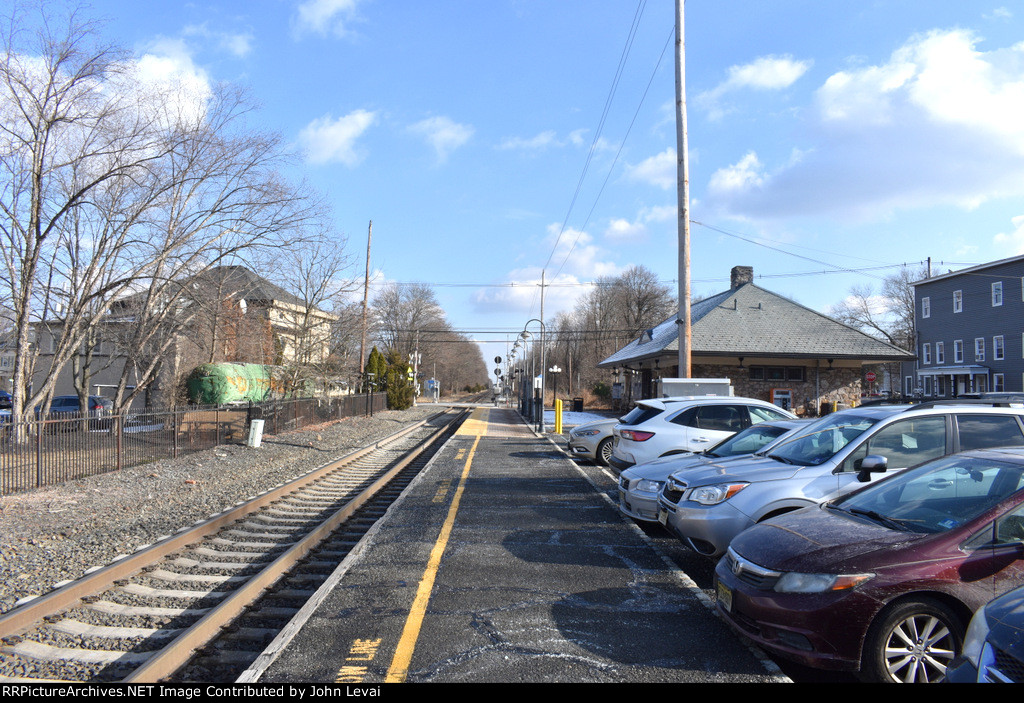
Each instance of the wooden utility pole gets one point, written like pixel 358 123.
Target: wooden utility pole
pixel 366 296
pixel 683 177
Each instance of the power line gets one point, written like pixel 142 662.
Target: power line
pixel 630 37
pixel 617 154
pixel 600 126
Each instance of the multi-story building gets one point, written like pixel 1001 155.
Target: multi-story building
pixel 227 313
pixel 970 331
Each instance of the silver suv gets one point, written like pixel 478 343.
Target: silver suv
pixel 706 507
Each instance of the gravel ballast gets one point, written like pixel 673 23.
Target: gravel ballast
pixel 55 534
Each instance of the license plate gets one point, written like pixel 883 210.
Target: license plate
pixel 663 516
pixel 724 596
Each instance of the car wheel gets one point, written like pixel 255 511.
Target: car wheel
pixel 604 451
pixel 912 642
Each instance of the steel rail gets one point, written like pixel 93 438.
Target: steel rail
pixel 24 617
pixel 176 654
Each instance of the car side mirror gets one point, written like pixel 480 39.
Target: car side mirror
pixel 871 464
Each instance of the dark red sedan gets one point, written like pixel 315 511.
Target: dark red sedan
pixel 884 580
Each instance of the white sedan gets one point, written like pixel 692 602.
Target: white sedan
pixel 666 426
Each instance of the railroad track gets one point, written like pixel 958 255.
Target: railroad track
pixel 202 604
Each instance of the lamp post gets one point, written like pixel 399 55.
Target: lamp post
pixel 526 335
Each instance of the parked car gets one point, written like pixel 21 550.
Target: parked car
pixel 640 485
pixel 6 401
pixel 884 580
pixel 66 407
pixel 993 650
pixel 592 441
pixel 666 426
pixel 707 507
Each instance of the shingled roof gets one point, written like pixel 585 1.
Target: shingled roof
pixel 747 320
pixel 240 281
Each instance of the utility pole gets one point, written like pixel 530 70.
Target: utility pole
pixel 683 177
pixel 366 295
pixel 543 356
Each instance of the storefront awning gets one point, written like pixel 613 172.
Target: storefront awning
pixel 961 370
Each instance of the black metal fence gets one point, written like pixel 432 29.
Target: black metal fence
pixel 68 446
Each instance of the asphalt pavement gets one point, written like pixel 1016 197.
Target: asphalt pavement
pixel 506 562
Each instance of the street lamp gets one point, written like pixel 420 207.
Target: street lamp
pixel 555 370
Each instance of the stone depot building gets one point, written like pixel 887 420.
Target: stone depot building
pixel 768 346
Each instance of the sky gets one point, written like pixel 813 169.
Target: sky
pixel 490 141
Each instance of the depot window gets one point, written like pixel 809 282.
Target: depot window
pixel 778 373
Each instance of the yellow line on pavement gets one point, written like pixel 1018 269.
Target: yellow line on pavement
pixel 476 424
pixel 399 670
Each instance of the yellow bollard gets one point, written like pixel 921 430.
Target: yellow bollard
pixel 558 416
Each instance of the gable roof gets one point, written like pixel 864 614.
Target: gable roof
pixel 240 281
pixel 751 321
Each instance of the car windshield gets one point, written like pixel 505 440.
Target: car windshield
pixel 823 440
pixel 748 441
pixel 937 496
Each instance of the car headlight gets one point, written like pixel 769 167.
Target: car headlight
pixel 586 433
pixel 713 495
pixel 794 582
pixel 974 640
pixel 648 486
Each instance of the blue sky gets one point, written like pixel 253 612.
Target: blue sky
pixel 823 136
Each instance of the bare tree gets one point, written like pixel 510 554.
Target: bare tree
pixel 315 273
pixel 640 300
pixel 400 312
pixel 66 141
pixel 346 339
pixel 112 190
pixel 617 310
pixel 889 314
pixel 408 319
pixel 452 358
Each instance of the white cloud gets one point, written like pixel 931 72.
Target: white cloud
pixel 621 230
pixel 325 16
pixel 576 136
pixel 764 73
pixel 936 124
pixel 583 261
pixel 236 43
pixel 327 140
pixel 743 175
pixel 1014 241
pixel 660 213
pixel 444 135
pixel 522 293
pixel 541 141
pixel 168 70
pixel 660 170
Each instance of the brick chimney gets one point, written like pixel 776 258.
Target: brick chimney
pixel 741 275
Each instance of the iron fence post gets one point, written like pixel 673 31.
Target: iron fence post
pixel 39 454
pixel 120 437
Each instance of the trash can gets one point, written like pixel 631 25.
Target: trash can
pixel 577 405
